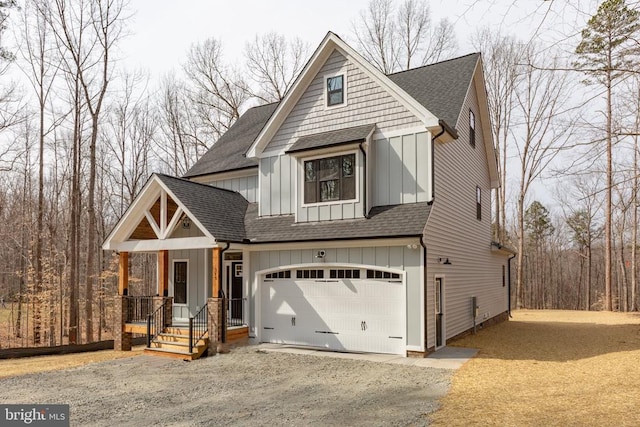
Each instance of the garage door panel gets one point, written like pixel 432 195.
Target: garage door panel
pixel 343 315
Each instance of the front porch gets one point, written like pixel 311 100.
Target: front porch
pixel 199 304
pixel 219 322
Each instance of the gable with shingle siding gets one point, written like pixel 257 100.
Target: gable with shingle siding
pixel 366 103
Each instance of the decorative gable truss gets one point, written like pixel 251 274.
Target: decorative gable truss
pixel 153 222
pixel 160 219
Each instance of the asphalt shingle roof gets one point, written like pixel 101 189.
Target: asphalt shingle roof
pixel 220 211
pixel 440 87
pixel 227 153
pixel 228 217
pixel 384 221
pixel 331 138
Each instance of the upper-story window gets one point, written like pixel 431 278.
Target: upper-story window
pixel 330 179
pixel 335 90
pixel 472 129
pixel 478 203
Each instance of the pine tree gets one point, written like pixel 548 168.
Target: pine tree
pixel 607 52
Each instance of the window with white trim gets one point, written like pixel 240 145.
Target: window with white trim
pixel 335 90
pixel 330 179
pixel 472 129
pixel 478 203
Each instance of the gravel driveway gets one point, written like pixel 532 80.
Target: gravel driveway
pixel 247 387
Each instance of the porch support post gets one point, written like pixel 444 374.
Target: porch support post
pixel 215 324
pixel 215 304
pixel 163 273
pixel 215 273
pixel 123 274
pixel 121 339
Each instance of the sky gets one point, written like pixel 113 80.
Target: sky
pixel 162 31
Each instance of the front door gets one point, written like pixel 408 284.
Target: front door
pixel 180 291
pixel 439 300
pixel 235 293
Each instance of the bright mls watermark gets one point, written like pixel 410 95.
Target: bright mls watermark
pixel 34 415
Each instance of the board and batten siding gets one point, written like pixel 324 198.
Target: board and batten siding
pixel 401 169
pixel 395 257
pixel 247 186
pixel 453 231
pixel 277 184
pixel 199 280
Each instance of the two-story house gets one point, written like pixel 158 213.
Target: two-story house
pixel 354 215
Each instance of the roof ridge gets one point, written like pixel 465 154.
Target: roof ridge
pixel 196 182
pixel 435 63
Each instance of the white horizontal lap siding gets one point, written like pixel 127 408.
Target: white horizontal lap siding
pixel 396 257
pixel 247 186
pixel 454 232
pixel 402 169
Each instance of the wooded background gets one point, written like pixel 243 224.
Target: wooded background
pixel 80 135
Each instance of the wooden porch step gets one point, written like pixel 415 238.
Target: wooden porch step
pixel 179 350
pixel 178 345
pixel 176 337
pixel 176 354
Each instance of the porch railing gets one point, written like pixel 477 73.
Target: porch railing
pixel 138 308
pixel 198 327
pixel 235 312
pixel 156 322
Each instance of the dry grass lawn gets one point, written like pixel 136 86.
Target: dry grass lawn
pixel 32 365
pixel 549 368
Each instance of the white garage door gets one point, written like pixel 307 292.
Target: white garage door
pixel 341 309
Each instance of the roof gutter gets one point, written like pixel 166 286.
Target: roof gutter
pixel 365 212
pixel 426 293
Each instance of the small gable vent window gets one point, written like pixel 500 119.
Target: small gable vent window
pixel 472 129
pixel 335 90
pixel 330 179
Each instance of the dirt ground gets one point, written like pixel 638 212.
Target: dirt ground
pixel 32 365
pixel 553 368
pixel 549 368
pixel 247 387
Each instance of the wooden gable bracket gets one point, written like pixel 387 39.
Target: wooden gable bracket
pixel 167 221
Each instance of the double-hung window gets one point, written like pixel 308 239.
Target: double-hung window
pixel 472 129
pixel 335 90
pixel 330 179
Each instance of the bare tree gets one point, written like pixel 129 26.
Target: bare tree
pixel 178 142
pixel 40 65
pixel 398 39
pixel 217 90
pixel 86 33
pixel 274 63
pixel 501 57
pixel 540 96
pixel 128 137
